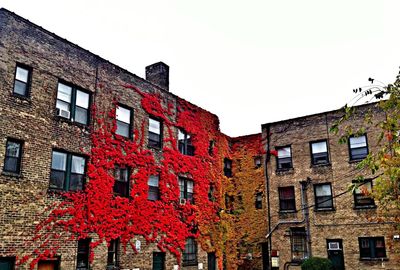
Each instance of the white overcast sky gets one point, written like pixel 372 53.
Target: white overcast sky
pixel 250 62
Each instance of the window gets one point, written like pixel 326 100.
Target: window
pixel 155 133
pixel 286 199
pixel 298 243
pixel 72 103
pixel 124 121
pixel 185 143
pixel 49 263
pixel 227 167
pixel 154 192
pixel 259 200
pixel 211 147
pixel 67 171
pixel 7 263
pixel 22 80
pixel 186 189
pixel 211 191
pixel 323 196
pixel 82 258
pixel 113 253
pixel 372 247
pixel 358 147
pixel 361 198
pixel 12 159
pixel 257 162
pixel 319 153
pixel 284 158
pixel 121 182
pixel 190 252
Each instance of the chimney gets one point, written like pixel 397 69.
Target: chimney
pixel 158 74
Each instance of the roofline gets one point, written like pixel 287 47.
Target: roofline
pixel 76 46
pixel 315 114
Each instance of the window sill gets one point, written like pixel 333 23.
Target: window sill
pixel 282 212
pixel 66 120
pixel 324 209
pixel 284 171
pixel 157 148
pixel 351 161
pixel 27 99
pixel 11 174
pixel 374 259
pixel 365 207
pixel 322 165
pixel 189 264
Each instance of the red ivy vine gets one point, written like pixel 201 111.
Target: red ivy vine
pixel 96 211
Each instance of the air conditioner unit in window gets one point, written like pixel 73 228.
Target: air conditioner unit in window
pixel 63 113
pixel 182 201
pixel 333 246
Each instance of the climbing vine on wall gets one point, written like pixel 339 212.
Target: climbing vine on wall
pixel 99 214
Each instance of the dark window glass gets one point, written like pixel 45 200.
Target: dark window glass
pixel 82 260
pixel 227 167
pixel 286 199
pixel 361 195
pixel 153 188
pixel 155 133
pixel 124 121
pixel 185 145
pixel 72 103
pixel 113 253
pixel 121 182
pixel 211 190
pixel 211 147
pixel 284 158
pixel 258 162
pixel 323 196
pixel 372 247
pixel 358 147
pixel 259 200
pixel 186 189
pixel 190 252
pixel 7 263
pixel 12 159
pixel 319 153
pixel 22 80
pixel 67 171
pixel 299 245
pixel 51 263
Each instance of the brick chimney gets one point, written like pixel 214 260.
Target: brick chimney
pixel 158 74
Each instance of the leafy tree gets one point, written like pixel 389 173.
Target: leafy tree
pixel 384 163
pixel 317 263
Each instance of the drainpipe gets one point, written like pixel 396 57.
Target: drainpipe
pixel 306 212
pixel 267 159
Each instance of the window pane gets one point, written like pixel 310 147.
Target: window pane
pixel 57 179
pixel 20 88
pixel 182 188
pixel 64 92
pixel 81 115
pixel 153 180
pixel 78 165
pixel 124 115
pixel 323 190
pixel 324 202
pixel 59 161
pixel 82 99
pixel 367 185
pixel 154 126
pixel 62 105
pixel 284 152
pixel 319 147
pixel 13 149
pixel 76 181
pixel 189 186
pixel 22 74
pixel 181 135
pixel 358 142
pixel 359 153
pixel 11 164
pixel 122 129
pixel 286 193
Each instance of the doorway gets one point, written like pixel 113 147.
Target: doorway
pixel 158 260
pixel 335 253
pixel 211 261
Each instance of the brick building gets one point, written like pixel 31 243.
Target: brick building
pixel 47 88
pixel 312 212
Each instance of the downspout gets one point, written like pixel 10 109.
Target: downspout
pixel 306 213
pixel 267 159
